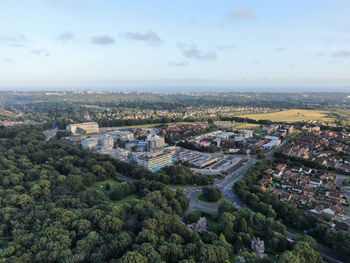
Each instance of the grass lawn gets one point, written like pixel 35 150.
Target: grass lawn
pixel 102 185
pixel 198 198
pixel 126 199
pixel 292 115
pixel 250 126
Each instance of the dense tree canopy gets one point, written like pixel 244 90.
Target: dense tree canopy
pixel 52 209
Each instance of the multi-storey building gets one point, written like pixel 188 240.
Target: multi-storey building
pixel 154 161
pixel 154 142
pixel 83 128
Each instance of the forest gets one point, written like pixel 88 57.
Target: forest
pixel 52 209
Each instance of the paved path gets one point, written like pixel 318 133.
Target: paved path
pixel 50 134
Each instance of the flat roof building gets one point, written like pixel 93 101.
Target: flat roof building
pixel 155 161
pixel 83 128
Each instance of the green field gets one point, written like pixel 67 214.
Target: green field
pixel 247 126
pixel 102 185
pixel 292 116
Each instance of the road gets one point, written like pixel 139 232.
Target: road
pixel 225 185
pixel 50 134
pixel 339 182
pixel 195 205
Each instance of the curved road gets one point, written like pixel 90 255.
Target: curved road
pixel 225 185
pixel 195 205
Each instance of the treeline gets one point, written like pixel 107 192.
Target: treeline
pixel 247 120
pixel 236 228
pixel 48 212
pixel 52 211
pixel 192 146
pixel 131 122
pixel 177 174
pixel 270 205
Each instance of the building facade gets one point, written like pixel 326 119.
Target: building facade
pixel 83 128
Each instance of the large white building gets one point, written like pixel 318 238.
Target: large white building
pixel 104 141
pixel 123 135
pixel 154 142
pixel 83 128
pixel 89 142
pixel 154 161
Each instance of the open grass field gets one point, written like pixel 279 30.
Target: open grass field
pixel 247 126
pixel 292 116
pixel 102 185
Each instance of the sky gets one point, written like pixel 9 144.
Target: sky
pixel 183 44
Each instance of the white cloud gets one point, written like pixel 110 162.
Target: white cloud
pixel 192 51
pixel 241 14
pixel 103 40
pixel 149 37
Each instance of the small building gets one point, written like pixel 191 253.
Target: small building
pixel 341 226
pixel 315 182
pixel 258 246
pixel 201 225
pixel 304 199
pixel 285 197
pixel 281 166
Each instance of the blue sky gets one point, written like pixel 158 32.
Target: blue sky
pixel 179 44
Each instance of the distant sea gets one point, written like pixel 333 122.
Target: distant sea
pixel 174 90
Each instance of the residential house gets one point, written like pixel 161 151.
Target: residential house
pixel 281 167
pixel 335 196
pixel 309 191
pixel 315 182
pixel 285 197
pixel 317 211
pixel 342 226
pixel 258 246
pixel 304 199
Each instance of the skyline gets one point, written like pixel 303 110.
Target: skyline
pixel 153 44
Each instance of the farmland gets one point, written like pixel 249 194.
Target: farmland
pixel 293 115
